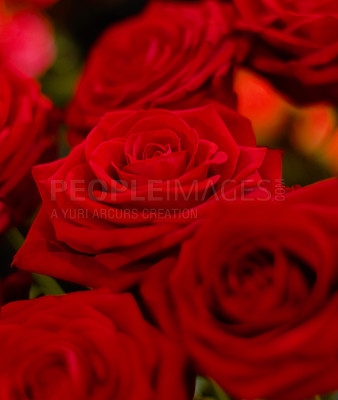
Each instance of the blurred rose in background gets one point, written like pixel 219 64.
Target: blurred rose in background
pixel 310 131
pixel 27 38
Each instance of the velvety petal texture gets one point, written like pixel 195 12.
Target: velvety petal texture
pixel 254 295
pixel 174 55
pixel 26 138
pixel 86 345
pixel 295 44
pixel 135 189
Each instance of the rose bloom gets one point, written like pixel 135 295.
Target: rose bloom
pixel 27 41
pixel 86 345
pixel 254 295
pixel 295 44
pixel 26 138
pixel 171 56
pixel 133 190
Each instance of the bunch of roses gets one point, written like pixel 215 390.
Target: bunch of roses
pixel 201 261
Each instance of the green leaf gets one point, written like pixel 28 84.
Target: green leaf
pixel 203 398
pixel 47 285
pixel 201 387
pixel 220 394
pixel 34 291
pixel 208 389
pixel 59 81
pixel 15 238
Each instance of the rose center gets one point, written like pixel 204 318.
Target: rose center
pixel 152 150
pixel 252 273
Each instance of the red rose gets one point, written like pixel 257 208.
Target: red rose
pixel 133 189
pixel 171 56
pixel 25 139
pixel 295 44
pixel 254 295
pixel 27 41
pixel 88 345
